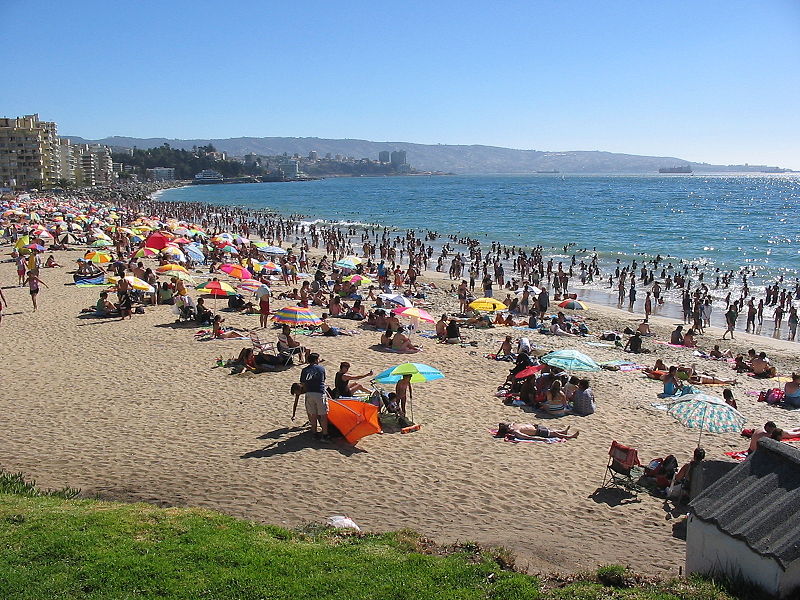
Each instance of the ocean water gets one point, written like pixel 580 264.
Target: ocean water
pixel 718 221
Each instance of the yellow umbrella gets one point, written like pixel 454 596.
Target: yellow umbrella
pixel 487 305
pixel 170 267
pixel 135 283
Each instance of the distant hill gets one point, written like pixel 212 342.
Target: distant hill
pixel 441 157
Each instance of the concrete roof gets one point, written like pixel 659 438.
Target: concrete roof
pixel 758 502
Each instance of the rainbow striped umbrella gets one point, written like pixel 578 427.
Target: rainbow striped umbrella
pixel 296 315
pixel 216 288
pixel 97 257
pixel 237 271
pixel 249 285
pixel 144 253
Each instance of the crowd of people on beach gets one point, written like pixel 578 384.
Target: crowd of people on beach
pixel 123 224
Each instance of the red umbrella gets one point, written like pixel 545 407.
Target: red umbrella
pixel 528 371
pixel 157 240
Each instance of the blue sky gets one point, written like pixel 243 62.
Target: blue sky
pixel 712 81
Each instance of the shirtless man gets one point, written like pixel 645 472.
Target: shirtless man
pixel 403 392
pixel 527 431
pixel 441 327
pixel 761 366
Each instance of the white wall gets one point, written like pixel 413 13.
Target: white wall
pixel 709 551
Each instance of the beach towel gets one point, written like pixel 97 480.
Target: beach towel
pixel 623 365
pixel 431 335
pixel 599 344
pixel 663 343
pixel 738 456
pixel 536 441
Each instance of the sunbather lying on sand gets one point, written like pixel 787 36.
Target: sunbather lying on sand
pixel 527 431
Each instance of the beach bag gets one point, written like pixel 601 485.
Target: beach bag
pixel 773 396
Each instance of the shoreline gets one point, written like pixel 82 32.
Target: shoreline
pixel 592 293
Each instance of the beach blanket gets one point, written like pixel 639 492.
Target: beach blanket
pixel 780 378
pixel 536 441
pixel 431 335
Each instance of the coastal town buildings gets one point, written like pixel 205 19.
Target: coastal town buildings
pixel 161 174
pixel 32 155
pixel 29 153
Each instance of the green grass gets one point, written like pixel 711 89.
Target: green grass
pixel 52 547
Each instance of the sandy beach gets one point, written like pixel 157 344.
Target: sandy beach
pixel 137 411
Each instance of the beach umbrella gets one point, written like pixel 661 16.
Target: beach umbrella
pixel 68 238
pixel 269 249
pixel 706 413
pixel 268 265
pixel 169 268
pixel 528 371
pixel 216 288
pixel 570 360
pixel 37 247
pixel 296 315
pixel 230 250
pixel 96 256
pixel 237 271
pixel 414 313
pixel 573 305
pixel 249 285
pixel 348 263
pixel 418 372
pixel 353 418
pixel 158 240
pixel 487 305
pixel 182 275
pixel 262 291
pixel 396 299
pixel 135 283
pixel 358 279
pixel 195 253
pixel 174 253
pixel 532 290
pixel 101 244
pixel 144 253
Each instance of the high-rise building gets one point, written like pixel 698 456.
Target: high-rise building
pixel 67 159
pixel 29 152
pixel 383 156
pixel 398 157
pixel 312 155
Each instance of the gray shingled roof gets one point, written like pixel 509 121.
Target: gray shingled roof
pixel 758 502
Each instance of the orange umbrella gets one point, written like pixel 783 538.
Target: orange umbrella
pixel 171 267
pixel 353 418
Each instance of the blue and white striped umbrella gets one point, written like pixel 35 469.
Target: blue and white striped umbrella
pixel 707 413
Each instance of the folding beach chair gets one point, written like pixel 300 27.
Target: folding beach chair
pixel 621 462
pixel 285 358
pixel 258 345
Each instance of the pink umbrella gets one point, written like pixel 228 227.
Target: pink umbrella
pixel 412 312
